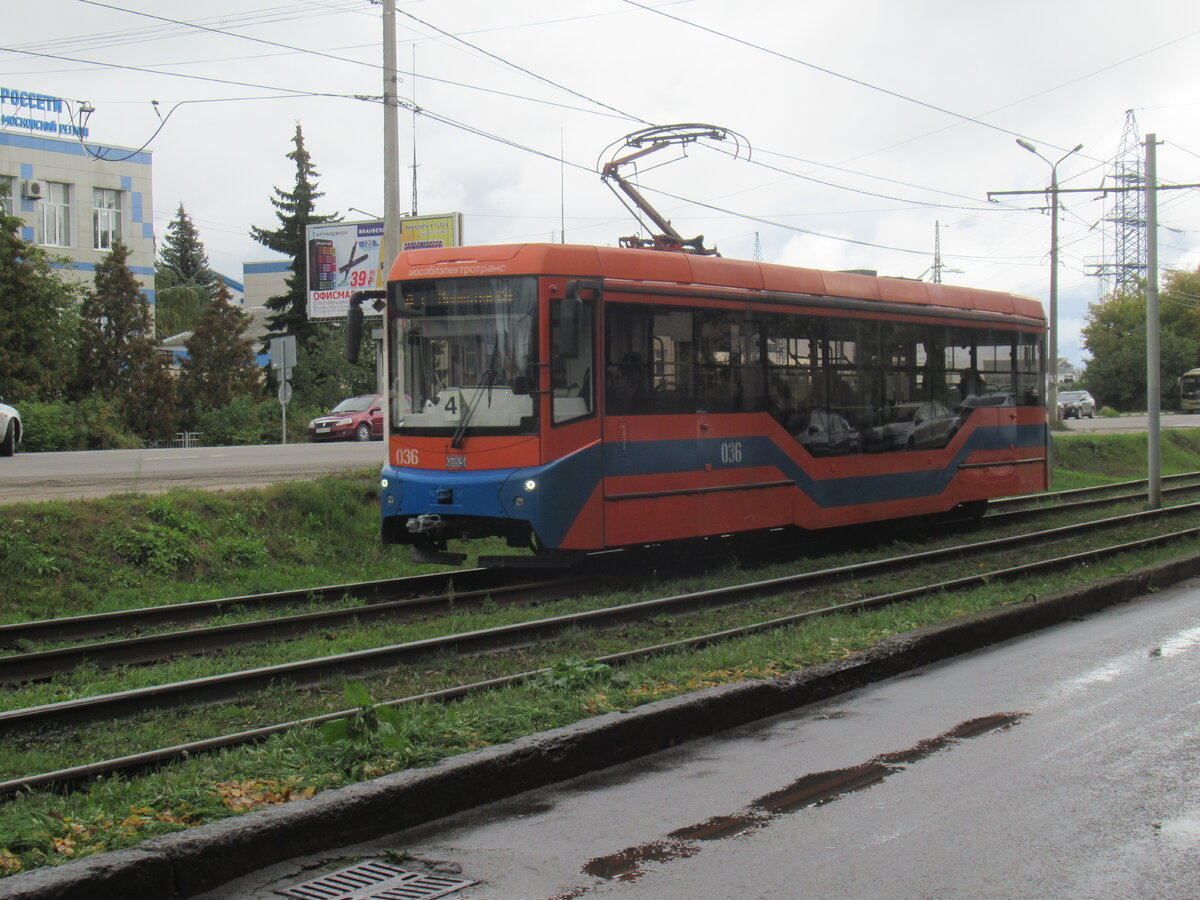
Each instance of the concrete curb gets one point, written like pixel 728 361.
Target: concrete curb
pixel 191 862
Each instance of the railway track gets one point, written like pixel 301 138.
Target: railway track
pixel 115 705
pixel 429 595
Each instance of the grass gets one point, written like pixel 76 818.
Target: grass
pixel 134 550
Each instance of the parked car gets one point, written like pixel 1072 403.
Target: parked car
pixel 913 426
pixel 354 419
pixel 824 433
pixel 10 429
pixel 1076 405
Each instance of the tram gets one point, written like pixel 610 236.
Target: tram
pixel 571 398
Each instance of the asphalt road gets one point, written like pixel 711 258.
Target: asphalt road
pixel 1062 764
pixel 32 477
pixel 1132 423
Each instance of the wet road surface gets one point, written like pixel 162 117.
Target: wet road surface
pixel 1064 764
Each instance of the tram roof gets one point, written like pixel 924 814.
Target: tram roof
pixel 667 267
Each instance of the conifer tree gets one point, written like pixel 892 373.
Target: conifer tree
pixel 119 359
pixel 295 210
pixel 220 364
pixel 182 258
pixel 39 320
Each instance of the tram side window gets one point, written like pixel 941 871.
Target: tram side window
pixel 573 386
pixel 729 374
pixel 628 359
pixel 673 382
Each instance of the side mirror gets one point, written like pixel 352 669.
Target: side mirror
pixel 354 318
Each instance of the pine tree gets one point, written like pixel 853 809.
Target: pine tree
pixel 295 210
pixel 119 359
pixel 220 364
pixel 39 320
pixel 182 259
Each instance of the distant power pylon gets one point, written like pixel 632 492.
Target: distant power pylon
pixel 938 266
pixel 757 248
pixel 1124 269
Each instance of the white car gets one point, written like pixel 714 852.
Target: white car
pixel 10 429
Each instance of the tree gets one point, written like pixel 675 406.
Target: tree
pixel 295 211
pixel 322 376
pixel 183 260
pixel 220 364
pixel 1115 336
pixel 39 320
pixel 118 358
pixel 176 309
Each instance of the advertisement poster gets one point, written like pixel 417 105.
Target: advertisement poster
pixel 345 257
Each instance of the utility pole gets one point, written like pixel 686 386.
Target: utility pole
pixel 1153 373
pixel 391 141
pixel 1051 392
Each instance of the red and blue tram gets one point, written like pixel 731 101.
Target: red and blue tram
pixel 575 398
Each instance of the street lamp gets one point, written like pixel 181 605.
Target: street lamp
pixel 363 211
pixel 1052 349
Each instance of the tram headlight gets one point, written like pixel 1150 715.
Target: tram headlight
pixel 383 483
pixel 530 485
pixel 518 501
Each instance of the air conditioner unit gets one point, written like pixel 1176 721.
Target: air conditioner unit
pixel 33 190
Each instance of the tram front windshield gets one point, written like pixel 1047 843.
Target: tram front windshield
pixel 462 358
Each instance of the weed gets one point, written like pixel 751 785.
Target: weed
pixel 574 674
pixel 369 731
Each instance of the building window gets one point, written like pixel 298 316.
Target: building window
pixel 106 218
pixel 56 215
pixel 8 190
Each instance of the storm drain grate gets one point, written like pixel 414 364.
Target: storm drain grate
pixel 375 880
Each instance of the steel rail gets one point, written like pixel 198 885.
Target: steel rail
pixel 44 664
pixel 100 624
pixel 216 688
pixel 1083 491
pixel 75 775
pixel 382 590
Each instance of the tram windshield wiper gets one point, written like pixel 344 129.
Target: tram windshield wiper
pixel 489 378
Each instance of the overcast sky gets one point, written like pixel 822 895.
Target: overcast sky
pixel 867 122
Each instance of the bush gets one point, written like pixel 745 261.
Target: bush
pixel 91 424
pixel 242 421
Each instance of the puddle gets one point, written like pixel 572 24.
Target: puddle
pixel 627 865
pixel 720 827
pixel 819 788
pixel 806 792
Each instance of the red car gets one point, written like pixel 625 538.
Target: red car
pixel 354 419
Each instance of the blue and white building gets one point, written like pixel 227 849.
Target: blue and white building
pixel 74 198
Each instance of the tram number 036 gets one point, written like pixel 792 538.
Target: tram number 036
pixel 731 452
pixel 407 457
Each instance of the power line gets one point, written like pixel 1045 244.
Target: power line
pixel 823 70
pixel 519 68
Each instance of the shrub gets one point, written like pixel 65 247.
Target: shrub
pixel 91 424
pixel 242 421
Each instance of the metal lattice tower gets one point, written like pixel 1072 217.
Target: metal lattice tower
pixel 1125 267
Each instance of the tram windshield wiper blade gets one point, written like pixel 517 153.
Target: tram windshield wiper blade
pixel 489 378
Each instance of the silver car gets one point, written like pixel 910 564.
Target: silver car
pixel 10 429
pixel 1076 405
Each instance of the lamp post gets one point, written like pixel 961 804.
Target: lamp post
pixel 1052 350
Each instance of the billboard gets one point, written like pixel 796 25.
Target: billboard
pixel 344 257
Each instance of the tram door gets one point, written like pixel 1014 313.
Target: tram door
pixel 651 458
